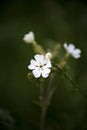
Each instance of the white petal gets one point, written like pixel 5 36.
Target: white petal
pixel 31 67
pixel 76 56
pixel 47 70
pixel 36 73
pixel 65 46
pixel 28 38
pixel 45 75
pixel 76 53
pixel 39 58
pixel 33 62
pixel 48 64
pixel 71 48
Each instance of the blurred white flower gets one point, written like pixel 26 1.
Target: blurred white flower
pixel 75 52
pixel 29 38
pixel 41 66
pixel 48 55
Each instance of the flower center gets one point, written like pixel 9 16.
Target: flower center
pixel 40 66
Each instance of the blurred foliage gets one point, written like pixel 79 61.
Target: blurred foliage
pixel 6 121
pixel 52 21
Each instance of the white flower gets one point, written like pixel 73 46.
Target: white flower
pixel 41 66
pixel 75 52
pixel 29 38
pixel 48 55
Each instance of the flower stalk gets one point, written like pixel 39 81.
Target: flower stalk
pixel 46 64
pixel 45 98
pixel 43 106
pixel 43 117
pixel 64 60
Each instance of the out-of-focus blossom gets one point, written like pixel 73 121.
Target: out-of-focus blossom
pixel 75 52
pixel 29 38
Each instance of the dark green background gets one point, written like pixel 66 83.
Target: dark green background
pixel 51 21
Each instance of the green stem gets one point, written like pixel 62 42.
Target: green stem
pixel 42 91
pixel 46 102
pixel 43 107
pixel 45 98
pixel 43 117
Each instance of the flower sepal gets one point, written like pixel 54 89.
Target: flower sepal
pixel 31 76
pixel 41 79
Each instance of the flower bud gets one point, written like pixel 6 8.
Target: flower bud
pixel 29 38
pixel 48 55
pixel 30 76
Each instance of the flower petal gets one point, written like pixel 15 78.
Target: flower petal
pixel 39 59
pixel 76 53
pixel 31 67
pixel 45 75
pixel 76 56
pixel 65 46
pixel 71 48
pixel 36 73
pixel 33 62
pixel 48 63
pixel 47 70
pixel 29 38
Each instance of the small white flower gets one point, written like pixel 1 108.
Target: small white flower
pixel 75 52
pixel 29 38
pixel 41 66
pixel 48 55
